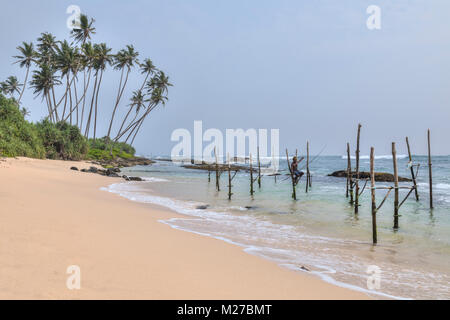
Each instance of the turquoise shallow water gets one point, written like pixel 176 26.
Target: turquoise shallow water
pixel 320 230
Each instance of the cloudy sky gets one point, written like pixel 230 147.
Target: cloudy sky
pixel 310 68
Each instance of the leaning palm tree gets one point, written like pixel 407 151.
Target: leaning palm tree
pixel 157 98
pixel 124 58
pixel 87 61
pixel 101 60
pixel 137 103
pixel 84 31
pixel 81 34
pixel 26 57
pixel 42 82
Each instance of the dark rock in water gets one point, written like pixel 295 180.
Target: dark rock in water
pixel 135 179
pixel 112 172
pixel 83 170
pixel 379 176
pixel 126 177
pixel 202 207
pixel 304 268
pixel 74 168
pixel 250 207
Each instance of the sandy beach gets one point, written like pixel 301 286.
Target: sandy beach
pixel 52 217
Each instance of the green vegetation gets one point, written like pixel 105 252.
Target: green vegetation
pixel 46 139
pixel 17 136
pixel 62 140
pixel 100 149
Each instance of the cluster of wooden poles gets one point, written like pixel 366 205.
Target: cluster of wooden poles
pixel 353 187
pixel 259 175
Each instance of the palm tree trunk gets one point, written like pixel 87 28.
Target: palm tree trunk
pixel 54 102
pixel 117 101
pixel 96 102
pixel 24 84
pixel 137 130
pixel 76 100
pixel 70 97
pixel 86 87
pixel 88 123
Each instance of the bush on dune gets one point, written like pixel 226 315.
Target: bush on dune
pixel 62 140
pixel 100 149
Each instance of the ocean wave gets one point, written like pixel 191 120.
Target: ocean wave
pixel 153 179
pixel 199 221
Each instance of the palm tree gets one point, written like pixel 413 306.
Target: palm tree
pixel 124 58
pixel 42 82
pixel 11 86
pixel 84 30
pixel 86 60
pixel 82 34
pixel 102 58
pixel 138 103
pixel 46 48
pixel 157 98
pixel 27 56
pixel 148 69
pixel 67 61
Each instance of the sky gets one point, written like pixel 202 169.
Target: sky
pixel 311 69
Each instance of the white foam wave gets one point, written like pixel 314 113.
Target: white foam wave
pixel 387 156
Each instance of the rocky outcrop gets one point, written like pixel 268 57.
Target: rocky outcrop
pixel 379 176
pixel 123 163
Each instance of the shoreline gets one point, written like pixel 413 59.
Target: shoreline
pixel 123 250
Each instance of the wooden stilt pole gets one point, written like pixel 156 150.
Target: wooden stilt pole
pixel 413 176
pixel 217 171
pixel 357 171
pixel 396 200
pixel 374 205
pixel 307 167
pixel 209 175
pixel 229 177
pixel 430 175
pixel 349 174
pixel 259 171
pixel 294 195
pixel 251 176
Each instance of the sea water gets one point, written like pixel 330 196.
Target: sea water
pixel 319 232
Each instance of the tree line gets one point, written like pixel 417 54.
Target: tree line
pixel 77 67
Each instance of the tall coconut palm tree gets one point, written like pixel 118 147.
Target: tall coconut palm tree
pixel 81 34
pixel 26 57
pixel 87 60
pixel 124 58
pixel 84 31
pixel 42 82
pixel 101 60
